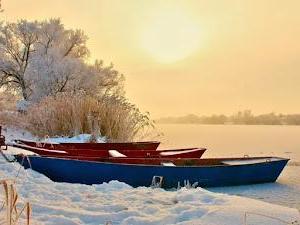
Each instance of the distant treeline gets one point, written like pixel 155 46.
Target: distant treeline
pixel 244 117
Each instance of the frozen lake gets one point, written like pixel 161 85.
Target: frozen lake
pixel 240 140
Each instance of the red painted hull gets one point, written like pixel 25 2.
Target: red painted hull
pixel 151 145
pixel 104 154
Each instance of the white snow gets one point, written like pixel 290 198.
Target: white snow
pixel 22 105
pixel 168 153
pixel 13 133
pixel 81 138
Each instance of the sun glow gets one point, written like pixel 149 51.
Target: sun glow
pixel 170 36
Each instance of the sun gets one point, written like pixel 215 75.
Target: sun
pixel 170 36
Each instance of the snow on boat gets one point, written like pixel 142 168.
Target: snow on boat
pixel 95 155
pixel 149 145
pixel 168 172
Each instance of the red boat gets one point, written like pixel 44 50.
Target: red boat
pixel 149 145
pixel 107 154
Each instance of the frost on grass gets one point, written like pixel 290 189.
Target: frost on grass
pixel 119 203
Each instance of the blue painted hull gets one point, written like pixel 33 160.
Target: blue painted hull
pixel 84 172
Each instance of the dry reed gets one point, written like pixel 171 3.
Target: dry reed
pixel 69 115
pixel 10 202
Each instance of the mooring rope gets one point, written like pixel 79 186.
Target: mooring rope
pixel 22 164
pixel 15 160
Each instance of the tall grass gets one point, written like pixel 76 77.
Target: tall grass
pixel 68 115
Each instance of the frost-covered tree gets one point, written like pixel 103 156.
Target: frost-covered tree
pixel 39 59
pixel 46 65
pixel 16 48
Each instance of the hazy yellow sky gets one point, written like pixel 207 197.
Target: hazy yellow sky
pixel 191 56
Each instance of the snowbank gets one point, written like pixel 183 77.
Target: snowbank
pixel 119 203
pixel 13 133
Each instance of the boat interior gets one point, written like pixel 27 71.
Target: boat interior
pixel 192 161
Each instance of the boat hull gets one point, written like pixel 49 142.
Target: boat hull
pixel 76 171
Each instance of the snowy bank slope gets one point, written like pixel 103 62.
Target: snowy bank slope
pixel 62 203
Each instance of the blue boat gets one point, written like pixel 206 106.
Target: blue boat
pixel 168 173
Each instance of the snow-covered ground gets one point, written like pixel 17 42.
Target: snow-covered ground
pixel 118 203
pixel 13 133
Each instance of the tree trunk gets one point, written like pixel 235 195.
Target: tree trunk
pixel 24 93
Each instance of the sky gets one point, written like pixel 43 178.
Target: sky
pixel 191 56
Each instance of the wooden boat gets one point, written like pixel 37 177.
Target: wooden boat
pixel 169 172
pixel 95 155
pixel 150 145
